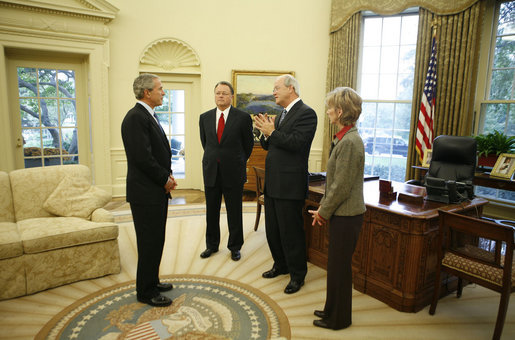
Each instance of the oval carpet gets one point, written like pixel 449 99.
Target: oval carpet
pixel 204 307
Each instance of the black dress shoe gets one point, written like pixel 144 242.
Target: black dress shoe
pixel 206 253
pixel 321 314
pixel 157 301
pixel 273 273
pixel 293 287
pixel 321 323
pixel 235 255
pixel 164 287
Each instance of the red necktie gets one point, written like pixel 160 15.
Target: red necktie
pixel 221 125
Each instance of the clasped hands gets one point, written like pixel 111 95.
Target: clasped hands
pixel 170 184
pixel 265 124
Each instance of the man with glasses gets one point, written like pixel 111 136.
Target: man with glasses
pixel 288 140
pixel 227 139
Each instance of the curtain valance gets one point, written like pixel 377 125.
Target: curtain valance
pixel 342 10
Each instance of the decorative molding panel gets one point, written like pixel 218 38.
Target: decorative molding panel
pixel 170 54
pixel 84 17
pixel 315 160
pixel 119 171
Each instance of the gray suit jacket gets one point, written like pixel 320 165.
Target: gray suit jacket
pixel 344 181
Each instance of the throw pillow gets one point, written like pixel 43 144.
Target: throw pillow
pixel 75 197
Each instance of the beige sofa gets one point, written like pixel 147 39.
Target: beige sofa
pixel 53 230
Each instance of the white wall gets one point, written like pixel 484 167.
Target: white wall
pixel 264 35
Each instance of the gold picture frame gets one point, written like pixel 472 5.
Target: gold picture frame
pixel 428 154
pixel 504 166
pixel 253 93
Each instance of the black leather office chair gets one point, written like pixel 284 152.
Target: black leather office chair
pixel 451 170
pixel 454 158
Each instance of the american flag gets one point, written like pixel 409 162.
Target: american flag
pixel 427 107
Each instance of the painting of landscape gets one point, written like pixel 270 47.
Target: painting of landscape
pixel 253 91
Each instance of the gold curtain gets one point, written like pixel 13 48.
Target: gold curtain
pixel 342 69
pixel 457 39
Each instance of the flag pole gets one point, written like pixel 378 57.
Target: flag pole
pixel 424 134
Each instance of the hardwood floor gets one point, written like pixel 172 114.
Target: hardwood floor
pixel 179 197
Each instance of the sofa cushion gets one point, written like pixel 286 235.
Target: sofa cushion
pixel 31 187
pixel 75 197
pixel 48 233
pixel 10 241
pixel 6 199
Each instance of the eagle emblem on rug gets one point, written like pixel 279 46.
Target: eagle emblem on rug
pixel 176 321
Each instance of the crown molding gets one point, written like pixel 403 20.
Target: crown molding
pixel 89 9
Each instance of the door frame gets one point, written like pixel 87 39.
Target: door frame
pixel 79 65
pixel 193 148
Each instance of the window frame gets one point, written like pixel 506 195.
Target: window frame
pixel 485 69
pixel 378 101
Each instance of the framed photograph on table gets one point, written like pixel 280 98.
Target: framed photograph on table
pixel 253 93
pixel 428 153
pixel 505 166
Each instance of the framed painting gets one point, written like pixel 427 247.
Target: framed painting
pixel 428 153
pixel 505 166
pixel 253 93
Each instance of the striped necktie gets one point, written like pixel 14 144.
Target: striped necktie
pixel 283 114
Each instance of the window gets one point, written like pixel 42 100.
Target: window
pixel 48 114
pixel 497 96
pixel 171 117
pixel 385 82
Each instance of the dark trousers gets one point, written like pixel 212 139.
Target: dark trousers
pixel 285 235
pixel 233 204
pixel 343 237
pixel 150 226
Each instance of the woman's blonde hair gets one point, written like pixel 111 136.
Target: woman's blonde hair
pixel 348 101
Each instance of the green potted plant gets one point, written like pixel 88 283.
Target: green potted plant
pixel 491 145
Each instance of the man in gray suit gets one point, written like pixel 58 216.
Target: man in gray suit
pixel 288 140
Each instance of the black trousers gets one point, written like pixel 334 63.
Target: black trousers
pixel 284 226
pixel 343 237
pixel 150 226
pixel 232 194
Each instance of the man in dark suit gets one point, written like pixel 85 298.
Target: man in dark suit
pixel 227 139
pixel 288 140
pixel 149 182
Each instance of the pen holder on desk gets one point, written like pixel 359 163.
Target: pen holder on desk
pixel 386 189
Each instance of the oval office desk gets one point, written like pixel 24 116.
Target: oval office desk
pixel 395 258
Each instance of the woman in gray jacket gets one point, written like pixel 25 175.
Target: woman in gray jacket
pixel 342 205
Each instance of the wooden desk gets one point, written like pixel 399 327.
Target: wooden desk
pixel 482 179
pixel 257 159
pixel 395 258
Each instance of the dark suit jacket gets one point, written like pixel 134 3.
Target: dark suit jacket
pixel 232 152
pixel 149 157
pixel 286 168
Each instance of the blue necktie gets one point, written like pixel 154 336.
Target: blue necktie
pixel 157 121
